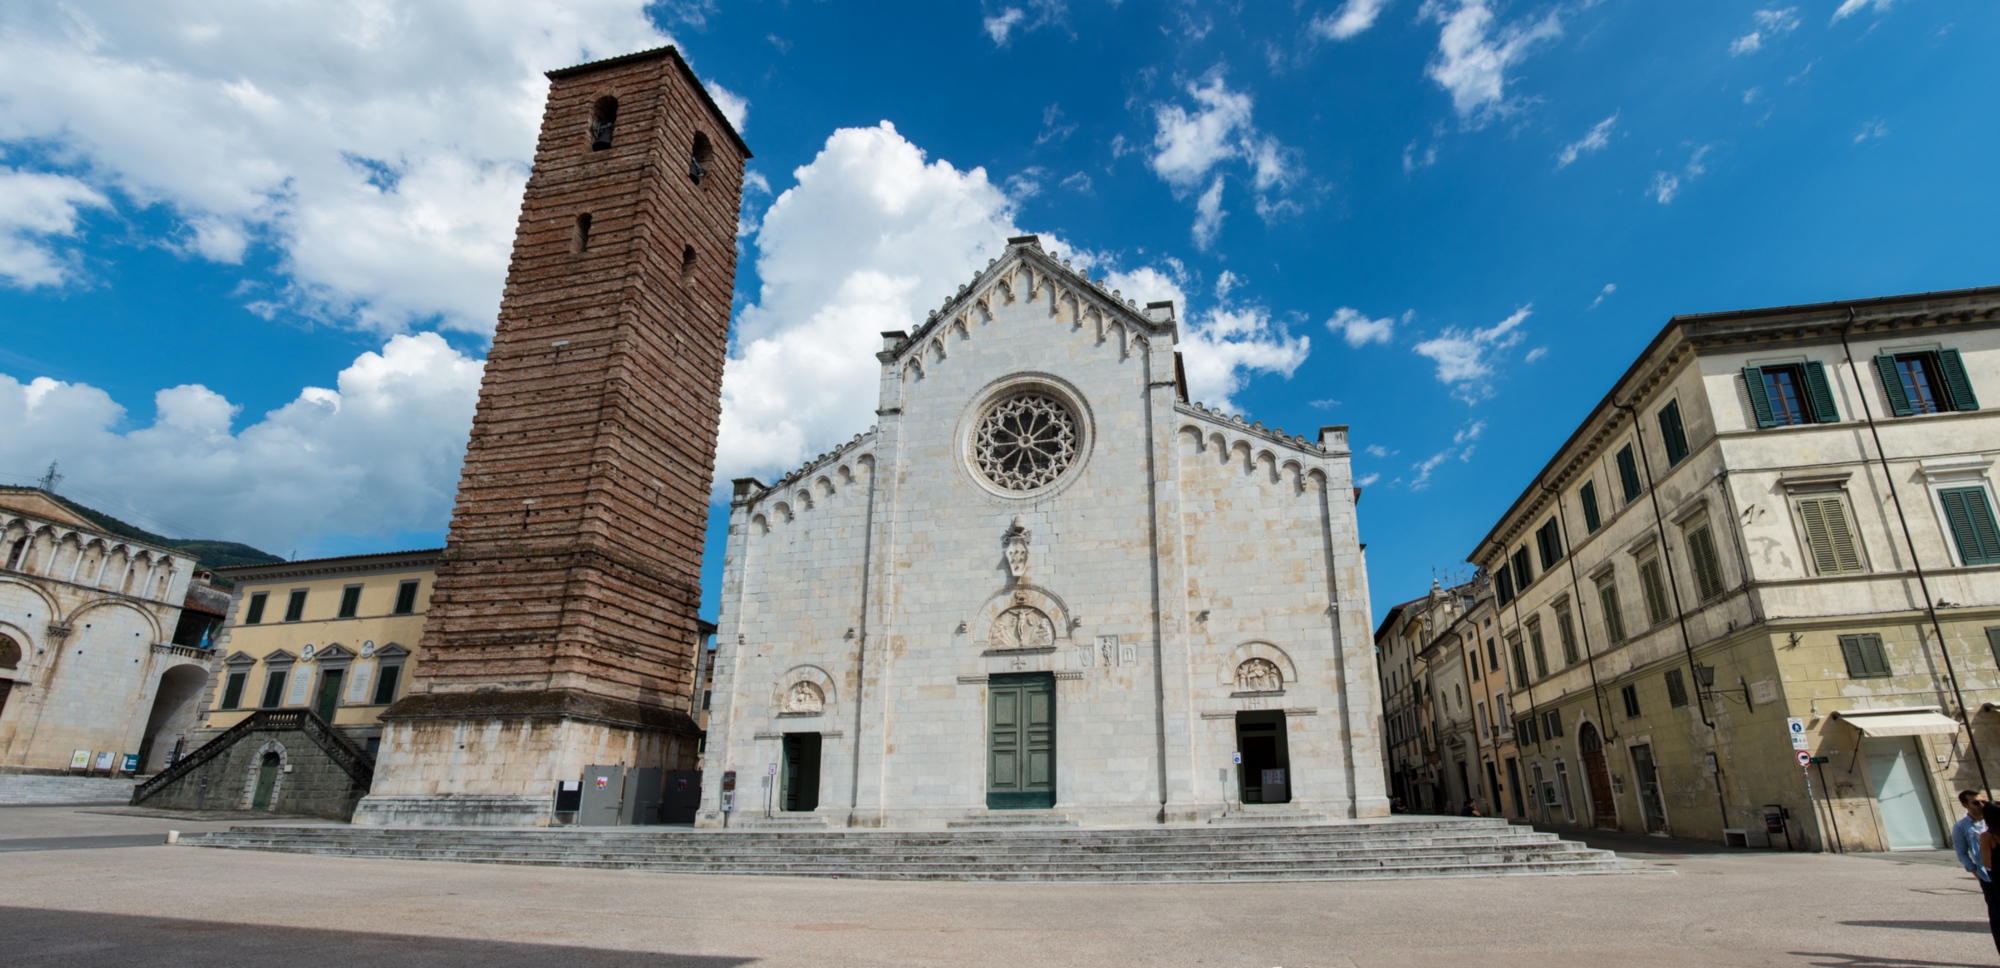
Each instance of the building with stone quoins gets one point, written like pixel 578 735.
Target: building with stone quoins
pixel 1773 515
pixel 1046 580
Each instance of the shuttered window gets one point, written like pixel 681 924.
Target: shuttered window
pixel 1535 648
pixel 1525 732
pixel 295 609
pixel 1631 696
pixel 1655 589
pixel 1788 395
pixel 1829 537
pixel 1587 496
pixel 1628 473
pixel 1523 570
pixel 232 697
pixel 1677 693
pixel 1925 382
pixel 350 601
pixel 1552 723
pixel 1672 435
pixel 1864 656
pixel 1993 641
pixel 1970 516
pixel 1548 540
pixel 1614 615
pixel 1707 566
pixel 255 614
pixel 1520 665
pixel 274 688
pixel 1503 585
pixel 1566 634
pixel 406 597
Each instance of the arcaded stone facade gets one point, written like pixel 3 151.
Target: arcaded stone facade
pixel 562 629
pixel 1045 579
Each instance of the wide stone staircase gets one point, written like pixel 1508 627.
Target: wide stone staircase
pixel 1400 848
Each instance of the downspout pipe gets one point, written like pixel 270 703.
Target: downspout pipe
pixel 1576 593
pixel 1674 587
pixel 1916 564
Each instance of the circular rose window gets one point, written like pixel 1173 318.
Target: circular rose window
pixel 1025 442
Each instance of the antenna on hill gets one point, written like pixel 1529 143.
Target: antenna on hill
pixel 49 480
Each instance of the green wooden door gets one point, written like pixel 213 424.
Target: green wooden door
pixel 329 693
pixel 267 778
pixel 1021 742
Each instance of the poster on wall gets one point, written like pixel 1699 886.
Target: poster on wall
pixel 79 760
pixel 301 688
pixel 131 764
pixel 105 758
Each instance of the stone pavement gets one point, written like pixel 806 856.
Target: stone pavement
pixel 166 906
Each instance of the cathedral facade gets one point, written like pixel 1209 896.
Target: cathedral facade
pixel 1046 581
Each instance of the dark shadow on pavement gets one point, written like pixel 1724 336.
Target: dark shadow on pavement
pixel 1871 961
pixel 1625 842
pixel 1971 927
pixel 40 938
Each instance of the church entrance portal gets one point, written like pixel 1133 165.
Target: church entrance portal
pixel 801 789
pixel 1021 742
pixel 1603 809
pixel 1267 764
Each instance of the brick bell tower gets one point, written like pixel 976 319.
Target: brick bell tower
pixel 562 629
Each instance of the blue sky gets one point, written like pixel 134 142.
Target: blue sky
pixel 250 254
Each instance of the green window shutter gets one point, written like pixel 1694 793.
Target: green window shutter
pixel 1812 513
pixel 1628 473
pixel 1655 590
pixel 1541 654
pixel 1956 381
pixel 1864 656
pixel 1820 393
pixel 1587 496
pixel 1566 633
pixel 1760 401
pixel 1846 552
pixel 1672 435
pixel 1972 526
pixel 1993 641
pixel 1892 386
pixel 1677 694
pixel 1614 619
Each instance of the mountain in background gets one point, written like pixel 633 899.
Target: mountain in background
pixel 207 554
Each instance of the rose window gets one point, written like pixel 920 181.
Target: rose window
pixel 1025 442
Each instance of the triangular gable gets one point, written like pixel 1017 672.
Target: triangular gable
pixel 334 651
pixel 32 501
pixel 240 658
pixel 391 651
pixel 280 655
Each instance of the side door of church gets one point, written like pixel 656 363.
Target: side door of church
pixel 1021 742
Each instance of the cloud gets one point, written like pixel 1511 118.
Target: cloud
pixel 1770 23
pixel 1609 288
pixel 1595 139
pixel 1208 215
pixel 35 209
pixel 1667 185
pixel 1461 448
pixel 380 150
pixel 1078 182
pixel 1323 404
pixel 1189 145
pixel 733 106
pixel 377 454
pixel 1849 8
pixel 1001 24
pixel 1535 354
pixel 1354 326
pixel 1220 347
pixel 1873 129
pixel 1464 357
pixel 1052 130
pixel 1351 19
pixel 1367 480
pixel 1472 60
pixel 1377 450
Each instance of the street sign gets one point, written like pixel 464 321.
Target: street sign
pixel 772 770
pixel 1797 727
pixel 1236 758
pixel 1805 757
pixel 1819 759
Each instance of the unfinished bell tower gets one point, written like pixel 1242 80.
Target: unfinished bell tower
pixel 562 629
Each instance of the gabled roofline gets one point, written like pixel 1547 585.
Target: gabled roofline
pixel 343 564
pixel 655 54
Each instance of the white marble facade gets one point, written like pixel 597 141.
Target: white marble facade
pixel 1039 498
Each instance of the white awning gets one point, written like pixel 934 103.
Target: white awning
pixel 1921 721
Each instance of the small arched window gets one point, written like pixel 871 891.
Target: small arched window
pixel 10 652
pixel 14 554
pixel 687 265
pixel 603 120
pixel 698 161
pixel 580 242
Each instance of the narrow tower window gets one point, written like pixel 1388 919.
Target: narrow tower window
pixel 687 265
pixel 581 242
pixel 698 162
pixel 603 119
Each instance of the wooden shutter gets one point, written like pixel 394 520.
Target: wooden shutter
pixel 1820 393
pixel 1503 584
pixel 1628 473
pixel 1587 496
pixel 1956 381
pixel 1672 434
pixel 1972 525
pixel 1993 641
pixel 1677 694
pixel 1707 568
pixel 1760 401
pixel 1864 656
pixel 1614 618
pixel 1828 536
pixel 1650 582
pixel 1892 385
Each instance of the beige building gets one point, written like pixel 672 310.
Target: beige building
pixel 1498 788
pixel 1773 516
pixel 332 635
pixel 90 669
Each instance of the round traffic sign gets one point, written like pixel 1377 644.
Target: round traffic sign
pixel 1805 757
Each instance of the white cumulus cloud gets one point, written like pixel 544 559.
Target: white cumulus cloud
pixel 1223 346
pixel 1001 24
pixel 379 148
pixel 1190 144
pixel 1849 8
pixel 1464 357
pixel 1358 330
pixel 1595 139
pixel 1473 58
pixel 1770 23
pixel 36 209
pixel 1351 19
pixel 376 454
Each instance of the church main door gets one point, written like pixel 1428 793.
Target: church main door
pixel 1021 742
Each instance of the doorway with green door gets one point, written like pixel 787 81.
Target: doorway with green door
pixel 1021 741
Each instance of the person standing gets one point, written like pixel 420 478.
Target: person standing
pixel 1988 840
pixel 1965 833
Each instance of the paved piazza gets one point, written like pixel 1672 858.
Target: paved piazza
pixel 77 890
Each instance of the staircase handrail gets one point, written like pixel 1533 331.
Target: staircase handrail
pixel 199 755
pixel 351 759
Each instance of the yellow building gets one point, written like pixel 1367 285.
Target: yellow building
pixel 333 635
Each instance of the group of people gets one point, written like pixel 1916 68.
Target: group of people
pixel 1973 839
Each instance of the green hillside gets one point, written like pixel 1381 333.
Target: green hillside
pixel 208 554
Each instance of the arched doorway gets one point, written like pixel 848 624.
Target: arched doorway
pixel 176 707
pixel 1603 810
pixel 267 781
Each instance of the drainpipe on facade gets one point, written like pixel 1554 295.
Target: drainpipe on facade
pixel 1576 593
pixel 1680 615
pixel 1916 565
